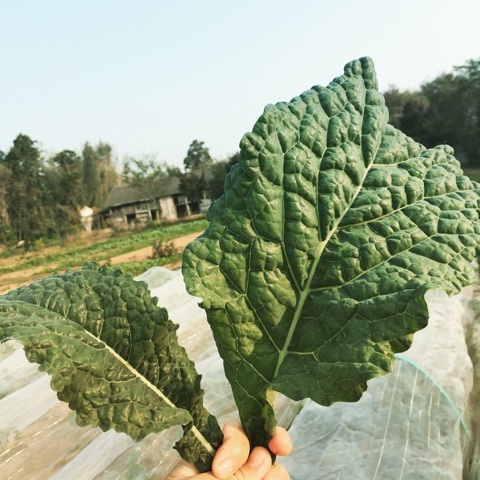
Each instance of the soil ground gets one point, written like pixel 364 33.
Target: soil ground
pixel 145 253
pixel 10 281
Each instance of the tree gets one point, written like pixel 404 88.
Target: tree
pixel 193 186
pixel 65 175
pixel 469 85
pixel 217 173
pixel 417 119
pixel 197 156
pixel 193 183
pixel 90 175
pixel 410 112
pixel 396 99
pixel 99 173
pixel 25 194
pixel 148 177
pixel 63 178
pixel 107 171
pixel 445 110
pixel 5 230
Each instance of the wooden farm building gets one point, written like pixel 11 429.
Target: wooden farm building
pixel 126 205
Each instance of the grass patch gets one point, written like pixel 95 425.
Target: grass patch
pixel 75 256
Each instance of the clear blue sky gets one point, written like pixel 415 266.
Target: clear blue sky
pixel 150 76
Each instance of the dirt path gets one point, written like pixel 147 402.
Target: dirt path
pixel 145 253
pixel 10 281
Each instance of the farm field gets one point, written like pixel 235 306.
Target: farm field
pixel 130 250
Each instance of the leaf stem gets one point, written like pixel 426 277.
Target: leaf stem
pixel 306 290
pixel 205 443
pixel 133 371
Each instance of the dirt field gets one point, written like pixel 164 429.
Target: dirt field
pixel 145 253
pixel 10 281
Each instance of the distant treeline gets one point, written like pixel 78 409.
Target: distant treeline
pixel 40 198
pixel 444 111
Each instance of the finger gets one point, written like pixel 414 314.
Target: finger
pixel 280 443
pixel 257 466
pixel 233 452
pixel 277 472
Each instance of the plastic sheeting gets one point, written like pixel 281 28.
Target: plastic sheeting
pixel 38 435
pixel 405 426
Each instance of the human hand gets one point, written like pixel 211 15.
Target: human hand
pixel 233 459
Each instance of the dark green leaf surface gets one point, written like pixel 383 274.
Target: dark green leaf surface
pixel 112 353
pixel 332 227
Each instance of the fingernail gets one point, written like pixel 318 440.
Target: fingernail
pixel 224 469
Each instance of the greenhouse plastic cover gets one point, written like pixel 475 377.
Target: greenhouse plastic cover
pixel 408 425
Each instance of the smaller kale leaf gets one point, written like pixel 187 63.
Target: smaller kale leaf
pixel 113 356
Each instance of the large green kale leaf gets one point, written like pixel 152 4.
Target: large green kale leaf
pixel 113 356
pixel 332 227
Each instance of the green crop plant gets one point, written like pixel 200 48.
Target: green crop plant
pixel 312 272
